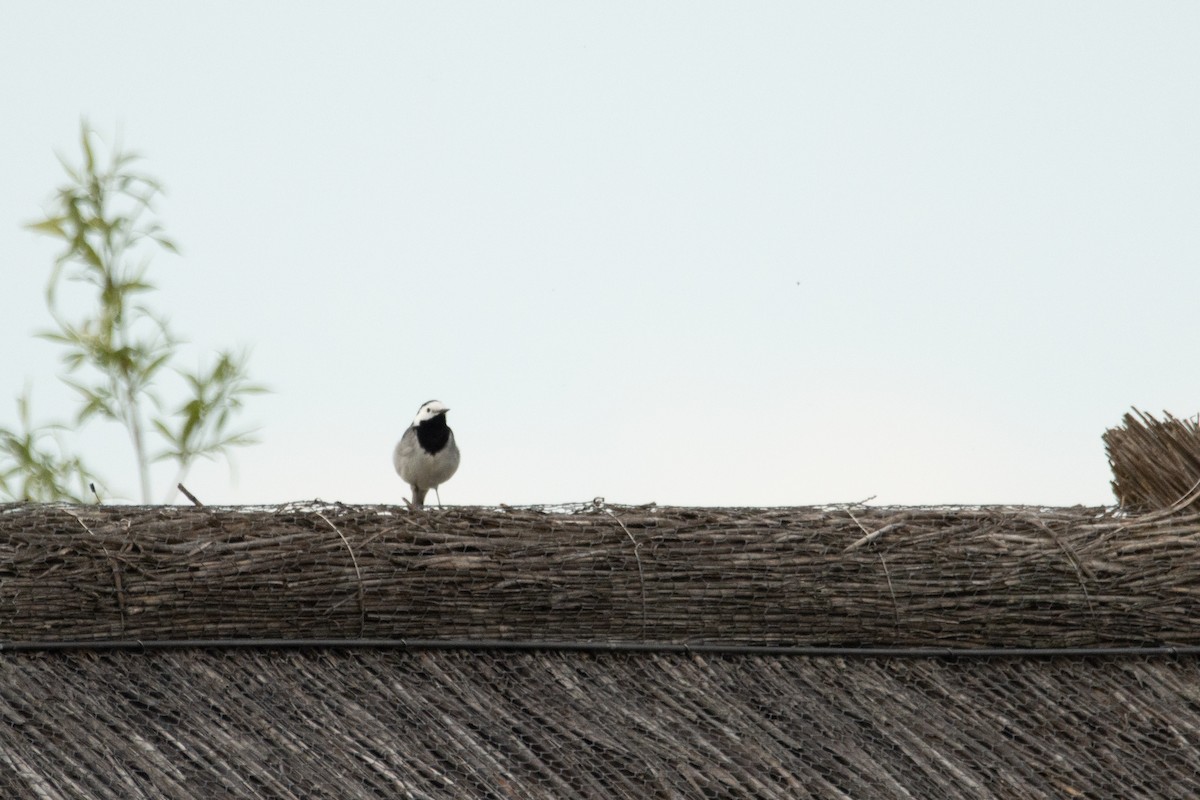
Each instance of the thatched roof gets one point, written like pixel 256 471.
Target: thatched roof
pixel 375 723
pixel 1155 463
pixel 417 698
pixel 1003 576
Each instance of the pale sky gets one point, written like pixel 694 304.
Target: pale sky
pixel 690 253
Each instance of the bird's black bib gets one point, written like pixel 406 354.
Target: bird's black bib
pixel 433 434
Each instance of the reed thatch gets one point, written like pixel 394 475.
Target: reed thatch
pixel 1007 576
pixel 1155 464
pixel 357 722
pixel 386 724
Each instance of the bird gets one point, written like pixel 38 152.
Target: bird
pixel 426 455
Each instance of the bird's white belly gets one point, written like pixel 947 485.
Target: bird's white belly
pixel 426 471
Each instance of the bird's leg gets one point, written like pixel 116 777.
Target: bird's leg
pixel 438 494
pixel 418 501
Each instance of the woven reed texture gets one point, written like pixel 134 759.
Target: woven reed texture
pixel 1155 463
pixel 376 724
pixel 796 576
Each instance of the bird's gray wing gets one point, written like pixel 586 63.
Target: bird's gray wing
pixel 452 456
pixel 406 451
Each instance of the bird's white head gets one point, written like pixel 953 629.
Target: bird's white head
pixel 429 411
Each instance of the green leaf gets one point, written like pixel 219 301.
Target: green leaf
pixel 89 253
pixel 167 244
pixel 51 226
pixel 85 141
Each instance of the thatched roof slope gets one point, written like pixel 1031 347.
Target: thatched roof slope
pixel 369 724
pixel 800 576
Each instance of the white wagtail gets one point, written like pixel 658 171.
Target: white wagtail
pixel 426 455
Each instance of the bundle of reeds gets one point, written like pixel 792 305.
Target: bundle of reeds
pixel 1155 464
pixel 845 575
